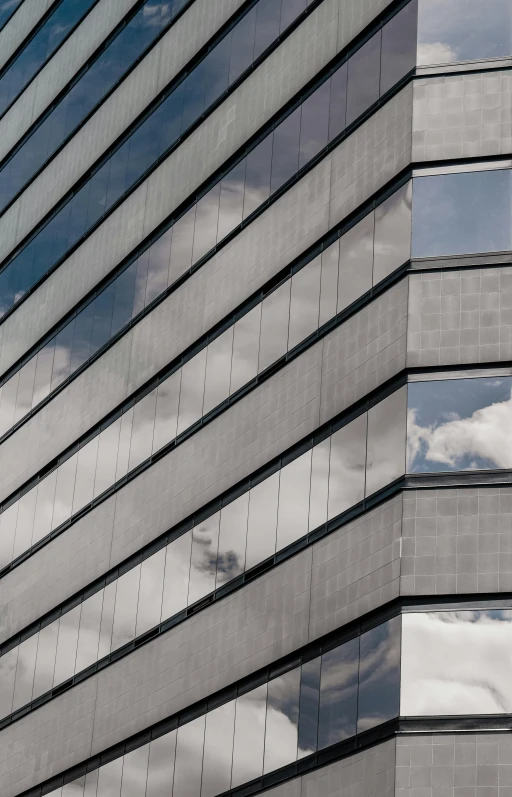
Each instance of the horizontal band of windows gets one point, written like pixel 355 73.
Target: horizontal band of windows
pixel 7 10
pixel 19 169
pixel 21 69
pixel 282 126
pixel 130 19
pixel 172 408
pixel 31 34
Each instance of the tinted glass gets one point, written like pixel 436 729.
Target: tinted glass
pixel 292 518
pixel 249 741
pixel 189 759
pixel 363 78
pixel 7 9
pixel 261 532
pixel 203 564
pixel 347 469
pixel 162 753
pixel 281 730
pixel 459 424
pixel 305 303
pixel 356 262
pixel 461 213
pixel 338 694
pixel 379 675
pixel 399 46
pixel 275 313
pixel 385 459
pixel 308 707
pixel 218 750
pixel 463 30
pixel 232 539
pixel 393 219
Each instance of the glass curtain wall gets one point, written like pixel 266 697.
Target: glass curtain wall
pixel 338 102
pixel 40 48
pixel 348 689
pixel 7 9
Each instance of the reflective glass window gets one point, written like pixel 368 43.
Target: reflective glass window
pixel 399 46
pixel 463 30
pixel 293 512
pixel 162 753
pixel 459 424
pixel 192 391
pixel 7 9
pixel 65 658
pixel 109 778
pixel 249 742
pixel 189 759
pixel 177 571
pixel 206 225
pixel 445 656
pixel 363 78
pixel 203 563
pixel 314 123
pixel 257 175
pixel 356 262
pixel 231 203
pixel 218 370
pixel 218 750
pixel 338 694
pixel 125 611
pixel 308 707
pixel 8 664
pixel 167 402
pixel 319 484
pixel 379 675
pixel 246 344
pixel 275 313
pixel 455 214
pixel 338 101
pixel 304 303
pixel 281 728
pixel 89 631
pixel 45 661
pixel 107 619
pixel 181 246
pixel 135 772
pixel 268 18
pixel 141 443
pixel 261 531
pixel 25 667
pixel 232 539
pixel 285 151
pixel 385 459
pixel 328 283
pixel 242 45
pixel 149 607
pixel 393 220
pixel 347 466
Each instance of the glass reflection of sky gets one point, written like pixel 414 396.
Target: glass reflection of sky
pixel 456 663
pixel 459 424
pixel 7 9
pixel 462 213
pixel 463 30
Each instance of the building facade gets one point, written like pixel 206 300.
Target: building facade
pixel 255 398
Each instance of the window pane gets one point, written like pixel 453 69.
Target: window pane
pixel 268 17
pixel 314 123
pixel 218 750
pixel 207 219
pixel 8 520
pixel 386 441
pixel 149 608
pixel 292 519
pixel 232 540
pixel 305 303
pixel 261 532
pixel 290 10
pixel 45 662
pixel 218 370
pixel 85 474
pixel 189 759
pixel 135 771
pixel 167 402
pixel 281 730
pixel 319 484
pixel 123 450
pixel 399 46
pixel 257 175
pixel 74 789
pixel 125 611
pixel 89 631
pixel 8 664
pixel 363 78
pixel 25 524
pixel 393 222
pixel 181 247
pixel 242 45
pixel 66 646
pixel 192 391
pixel 246 344
pixel 44 506
pixel 108 445
pixel 356 262
pixel 177 569
pixel 456 663
pixel 338 102
pixel 338 694
pixel 285 152
pixel 463 213
pixel 107 619
pixel 161 766
pixel 379 675
pixel 463 30
pixel 275 314
pixel 158 267
pixel 347 467
pixel 203 565
pixel 143 425
pixel 248 746
pixel 109 778
pixel 308 707
pixel 328 283
pixel 64 491
pixel 231 200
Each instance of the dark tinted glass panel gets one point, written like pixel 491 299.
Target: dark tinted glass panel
pixel 399 46
pixel 338 694
pixel 308 707
pixel 281 729
pixel 338 101
pixel 363 78
pixel 285 153
pixel 463 30
pixel 379 675
pixel 459 424
pixel 7 9
pixel 461 213
pixel 314 123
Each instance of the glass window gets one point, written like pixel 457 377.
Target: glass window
pixel 203 563
pixel 218 750
pixel 44 507
pixel 455 214
pixel 463 30
pixel 308 707
pixel 135 772
pixel 347 466
pixel 231 205
pixel 319 484
pixel 218 370
pixel 456 663
pixel 338 101
pixel 25 524
pixel 85 473
pixel 379 675
pixel 293 513
pixel 363 78
pixel 8 664
pixel 108 445
pixel 158 267
pixel 261 531
pixel 167 402
pixel 89 631
pixel 123 449
pixel 192 391
pixel 314 123
pixel 217 70
pixel 290 10
pixel 161 766
pixel 242 45
pixel 246 344
pixel 399 46
pixel 281 729
pixel 44 369
pixel 232 540
pixel 305 303
pixel 250 715
pixel 149 608
pixel 181 247
pixel 356 262
pixel 189 759
pixel 458 424
pixel 385 459
pixel 141 443
pixel 257 175
pixel 285 152
pixel 207 220
pixel 393 223
pixel 125 612
pixel 268 17
pixel 328 283
pixel 338 694
pixel 177 570
pixel 107 619
pixel 109 778
pixel 8 520
pixel 64 491
pixel 66 646
pixel 275 313
pixel 45 661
